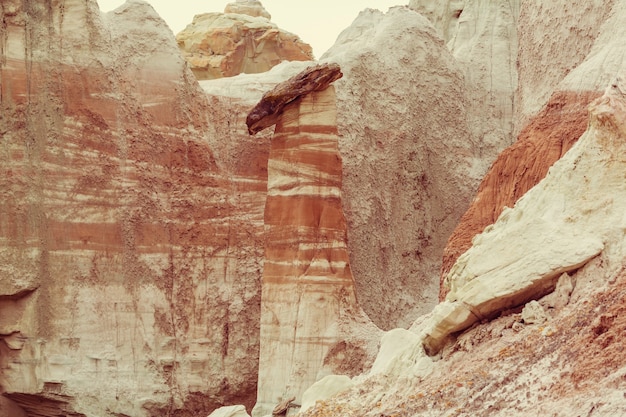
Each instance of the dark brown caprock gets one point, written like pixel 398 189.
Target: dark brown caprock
pixel 267 111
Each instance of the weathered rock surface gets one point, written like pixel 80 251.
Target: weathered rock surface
pixel 549 134
pixel 409 171
pixel 308 288
pixel 556 367
pixel 554 38
pixel 130 248
pixel 519 168
pixel 267 112
pixel 444 15
pixel 240 40
pixel 482 37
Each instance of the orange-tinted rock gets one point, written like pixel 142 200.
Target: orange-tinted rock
pixel 520 167
pixel 307 283
pixel 241 40
pixel 130 247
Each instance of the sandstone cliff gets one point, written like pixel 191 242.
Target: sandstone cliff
pixel 130 251
pixel 240 40
pixel 552 131
pixel 133 232
pixel 157 260
pixel 530 326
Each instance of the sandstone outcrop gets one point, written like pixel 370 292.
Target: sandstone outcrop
pixel 308 288
pixel 550 133
pixel 240 40
pixel 411 162
pixel 519 168
pixel 573 355
pixel 130 248
pixel 267 112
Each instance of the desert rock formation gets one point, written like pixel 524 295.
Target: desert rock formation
pixel 551 132
pixel 308 287
pixel 409 171
pixel 240 40
pixel 566 231
pixel 130 251
pixel 140 222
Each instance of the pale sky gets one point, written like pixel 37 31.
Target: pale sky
pixel 317 22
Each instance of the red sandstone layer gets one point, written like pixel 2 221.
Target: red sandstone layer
pixel 520 167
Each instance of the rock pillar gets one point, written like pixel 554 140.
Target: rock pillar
pixel 307 281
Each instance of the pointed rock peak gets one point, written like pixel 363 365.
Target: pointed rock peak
pixel 267 111
pixel 252 8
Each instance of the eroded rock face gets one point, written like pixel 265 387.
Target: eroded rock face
pixel 544 61
pixel 130 274
pixel 410 160
pixel 548 135
pixel 267 112
pixel 519 168
pixel 444 15
pixel 240 40
pixel 573 219
pixel 308 288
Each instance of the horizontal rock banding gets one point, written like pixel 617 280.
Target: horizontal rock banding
pixel 306 274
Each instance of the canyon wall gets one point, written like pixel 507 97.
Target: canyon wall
pixel 530 321
pixel 153 262
pixel 561 251
pixel 409 170
pixel 551 132
pixel 131 253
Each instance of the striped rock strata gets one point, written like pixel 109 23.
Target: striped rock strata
pixel 240 40
pixel 557 227
pixel 308 295
pixel 130 250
